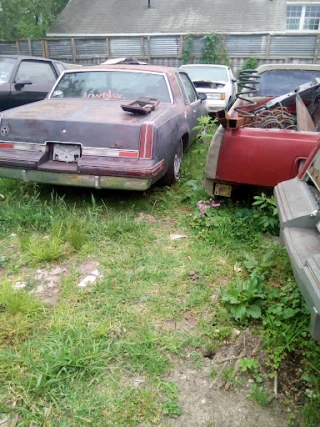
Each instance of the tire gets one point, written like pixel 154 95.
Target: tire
pixel 172 174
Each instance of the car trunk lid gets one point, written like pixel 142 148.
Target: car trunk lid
pixel 94 123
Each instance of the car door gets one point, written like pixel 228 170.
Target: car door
pixel 194 108
pixel 32 81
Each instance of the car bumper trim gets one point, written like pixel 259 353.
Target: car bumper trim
pixel 77 180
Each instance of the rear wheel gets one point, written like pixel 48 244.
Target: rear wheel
pixel 173 173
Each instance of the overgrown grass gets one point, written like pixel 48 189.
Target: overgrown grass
pixel 99 356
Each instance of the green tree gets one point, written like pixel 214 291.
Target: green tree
pixel 21 19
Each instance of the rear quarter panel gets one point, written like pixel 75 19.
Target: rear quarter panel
pixel 262 157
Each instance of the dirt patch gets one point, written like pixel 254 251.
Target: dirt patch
pixel 48 282
pixel 187 323
pixel 150 219
pixel 49 287
pixel 214 401
pixel 88 266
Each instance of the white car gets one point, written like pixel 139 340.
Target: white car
pixel 216 81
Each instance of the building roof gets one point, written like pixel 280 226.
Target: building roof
pixel 133 17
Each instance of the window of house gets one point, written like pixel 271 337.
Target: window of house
pixel 303 17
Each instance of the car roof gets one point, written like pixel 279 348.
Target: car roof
pixel 205 65
pixel 130 67
pixel 270 67
pixel 38 58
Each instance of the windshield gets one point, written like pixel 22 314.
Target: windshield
pixel 6 67
pixel 280 82
pixel 112 85
pixel 215 74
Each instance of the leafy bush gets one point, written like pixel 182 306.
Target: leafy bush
pixel 266 212
pixel 245 298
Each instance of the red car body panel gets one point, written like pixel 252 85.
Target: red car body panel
pixel 247 156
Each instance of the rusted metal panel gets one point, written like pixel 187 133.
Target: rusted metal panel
pixel 304 120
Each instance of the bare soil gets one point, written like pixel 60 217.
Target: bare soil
pixel 214 402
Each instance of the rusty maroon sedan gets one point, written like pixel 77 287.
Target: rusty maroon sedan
pixel 119 126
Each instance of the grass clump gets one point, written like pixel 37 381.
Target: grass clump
pixel 260 395
pixel 18 302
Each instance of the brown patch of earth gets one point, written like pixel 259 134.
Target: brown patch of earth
pixel 216 402
pixel 49 281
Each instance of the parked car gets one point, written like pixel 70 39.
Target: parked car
pixel 107 126
pixel 216 81
pixel 25 79
pixel 298 202
pixel 269 132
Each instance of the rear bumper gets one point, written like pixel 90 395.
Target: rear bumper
pixel 90 171
pixel 298 214
pixel 77 180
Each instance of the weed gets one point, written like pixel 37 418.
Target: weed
pixel 245 298
pixel 251 366
pixel 172 409
pixel 227 374
pixel 214 50
pixel 206 128
pixel 187 46
pixel 266 213
pixel 260 395
pixel 213 372
pixel 170 389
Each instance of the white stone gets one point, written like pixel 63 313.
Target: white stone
pixel 19 285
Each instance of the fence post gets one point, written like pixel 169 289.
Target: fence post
pixel 316 48
pixel 30 47
pixel 74 50
pixel 108 47
pixel 18 47
pixel 181 46
pixel 268 46
pixel 149 49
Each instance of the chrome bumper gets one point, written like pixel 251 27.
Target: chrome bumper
pixel 77 180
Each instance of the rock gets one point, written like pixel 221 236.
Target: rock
pixel 19 285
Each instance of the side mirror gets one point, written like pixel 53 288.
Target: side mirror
pixel 202 96
pixel 234 80
pixel 23 82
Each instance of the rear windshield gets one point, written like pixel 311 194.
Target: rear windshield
pixel 112 85
pixel 6 68
pixel 215 74
pixel 280 82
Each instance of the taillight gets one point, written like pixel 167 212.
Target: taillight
pixel 130 154
pixel 146 141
